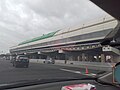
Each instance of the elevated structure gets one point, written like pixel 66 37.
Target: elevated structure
pixel 87 36
pixel 97 31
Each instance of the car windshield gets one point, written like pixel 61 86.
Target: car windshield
pixel 58 39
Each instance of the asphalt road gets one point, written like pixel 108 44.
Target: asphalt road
pixel 10 74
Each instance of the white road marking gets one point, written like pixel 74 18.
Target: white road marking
pixel 71 71
pixel 78 72
pixel 105 75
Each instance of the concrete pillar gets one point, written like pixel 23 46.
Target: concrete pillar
pixel 78 58
pixel 87 57
pixel 103 58
pixel 83 57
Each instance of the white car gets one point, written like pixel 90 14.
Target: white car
pixel 49 61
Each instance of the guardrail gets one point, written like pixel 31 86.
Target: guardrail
pixel 37 60
pixel 81 64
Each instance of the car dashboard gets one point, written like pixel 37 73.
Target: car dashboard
pixel 59 85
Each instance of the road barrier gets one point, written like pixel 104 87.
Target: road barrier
pixel 81 64
pixel 37 60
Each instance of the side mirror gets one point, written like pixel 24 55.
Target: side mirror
pixel 116 73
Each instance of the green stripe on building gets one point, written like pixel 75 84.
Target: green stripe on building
pixel 39 38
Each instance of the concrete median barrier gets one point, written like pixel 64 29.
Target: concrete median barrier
pixel 36 60
pixel 91 65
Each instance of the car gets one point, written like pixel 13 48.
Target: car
pixel 49 61
pixel 21 61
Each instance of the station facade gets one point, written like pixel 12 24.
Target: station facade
pixel 83 43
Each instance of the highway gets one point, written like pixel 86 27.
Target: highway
pixel 10 74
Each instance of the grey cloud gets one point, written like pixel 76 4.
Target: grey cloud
pixel 25 19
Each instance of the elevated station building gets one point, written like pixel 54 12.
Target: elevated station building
pixel 86 42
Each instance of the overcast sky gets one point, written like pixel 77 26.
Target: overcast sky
pixel 24 19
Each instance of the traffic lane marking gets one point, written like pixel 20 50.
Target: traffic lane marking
pixel 78 72
pixel 71 71
pixel 106 75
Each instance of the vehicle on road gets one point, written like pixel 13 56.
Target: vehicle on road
pixel 49 61
pixel 21 61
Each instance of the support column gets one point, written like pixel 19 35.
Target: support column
pixel 78 58
pixel 87 57
pixel 83 57
pixel 103 58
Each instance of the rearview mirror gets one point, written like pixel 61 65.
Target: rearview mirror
pixel 116 73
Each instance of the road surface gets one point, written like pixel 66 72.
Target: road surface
pixel 10 74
